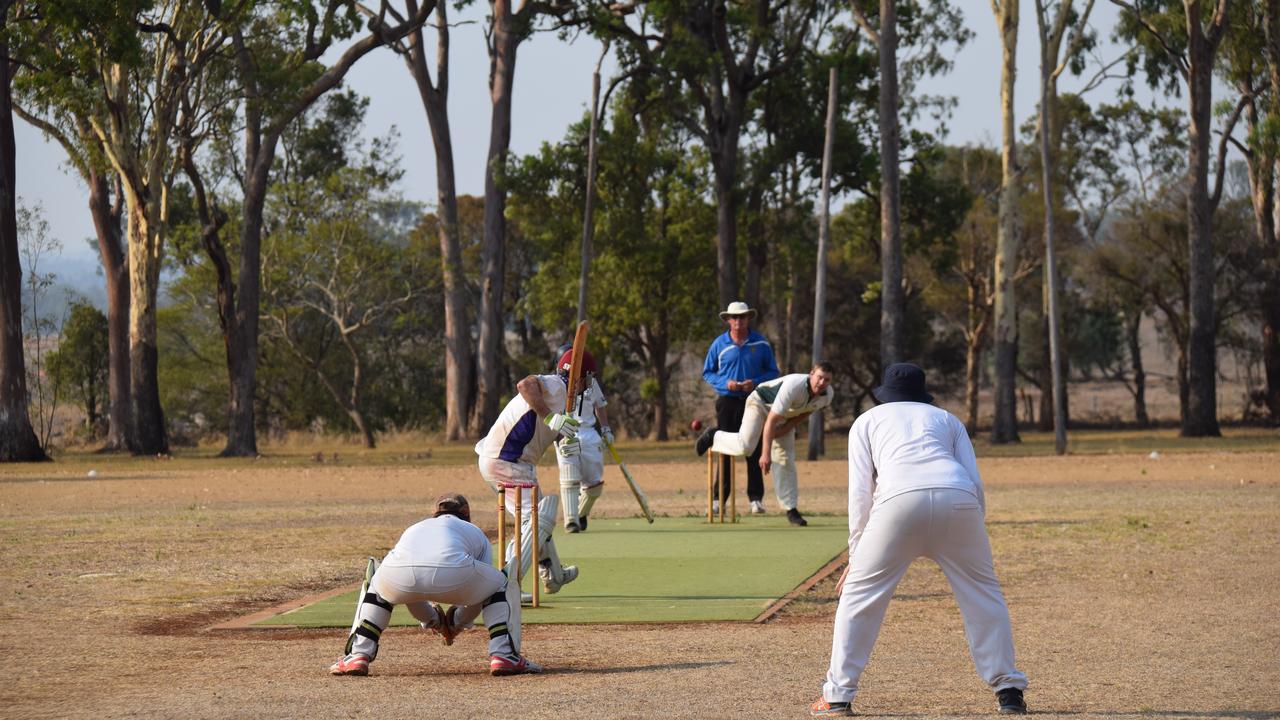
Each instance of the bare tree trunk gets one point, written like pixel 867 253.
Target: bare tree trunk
pixel 820 272
pixel 1201 418
pixel 661 373
pixel 457 325
pixel 502 68
pixel 1005 426
pixel 1267 210
pixel 757 246
pixel 1132 324
pixel 892 298
pixel 725 166
pixel 979 317
pixel 106 222
pixel 589 207
pixel 150 437
pixel 18 442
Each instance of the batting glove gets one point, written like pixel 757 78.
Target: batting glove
pixel 569 448
pixel 563 424
pixel 606 432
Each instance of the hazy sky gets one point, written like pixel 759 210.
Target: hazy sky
pixel 552 89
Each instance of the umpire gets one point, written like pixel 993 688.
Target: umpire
pixel 736 363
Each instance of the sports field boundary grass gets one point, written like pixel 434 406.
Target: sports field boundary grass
pixel 681 570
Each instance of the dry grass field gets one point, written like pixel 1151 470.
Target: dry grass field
pixel 1138 586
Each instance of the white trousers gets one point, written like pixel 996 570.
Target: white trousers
pixel 589 461
pixel 945 525
pixel 782 454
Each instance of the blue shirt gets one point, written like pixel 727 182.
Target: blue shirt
pixel 726 361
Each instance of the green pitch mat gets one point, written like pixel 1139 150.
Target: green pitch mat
pixel 676 570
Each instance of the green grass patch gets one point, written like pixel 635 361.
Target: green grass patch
pixel 676 570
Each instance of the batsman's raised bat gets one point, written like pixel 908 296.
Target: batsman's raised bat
pixel 635 489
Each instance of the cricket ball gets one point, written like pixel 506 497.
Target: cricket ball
pixel 696 425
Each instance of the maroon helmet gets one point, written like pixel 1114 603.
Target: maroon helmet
pixel 588 362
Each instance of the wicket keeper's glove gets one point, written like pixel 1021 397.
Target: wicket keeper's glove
pixel 563 424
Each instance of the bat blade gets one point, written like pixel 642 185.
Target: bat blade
pixel 575 370
pixel 635 487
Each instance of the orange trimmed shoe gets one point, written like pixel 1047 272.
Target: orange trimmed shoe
pixel 820 708
pixel 500 665
pixel 353 664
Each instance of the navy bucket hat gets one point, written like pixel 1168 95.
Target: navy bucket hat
pixel 903 382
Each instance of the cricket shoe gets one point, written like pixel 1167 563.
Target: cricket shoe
pixel 572 527
pixel 820 708
pixel 757 507
pixel 526 598
pixel 705 441
pixel 1011 701
pixel 353 664
pixel 582 523
pixel 795 518
pixel 568 573
pixel 715 507
pixel 501 665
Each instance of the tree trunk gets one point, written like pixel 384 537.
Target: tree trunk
pixel 757 246
pixel 725 166
pixel 661 405
pixel 1132 324
pixel 820 271
pixel 150 436
pixel 1201 418
pixel 18 441
pixel 892 299
pixel 1005 425
pixel 106 222
pixel 457 326
pixel 1271 343
pixel 976 337
pixel 493 253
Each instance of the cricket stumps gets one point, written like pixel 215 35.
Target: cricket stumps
pixel 715 462
pixel 518 512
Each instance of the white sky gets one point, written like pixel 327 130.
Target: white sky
pixel 552 89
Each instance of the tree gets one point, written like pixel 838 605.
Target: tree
pixel 1179 43
pixel 1250 63
pixel 338 271
pixel 280 81
pixel 1004 429
pixel 435 101
pixel 1052 32
pixel 17 438
pixel 34 245
pixel 717 55
pixel 81 363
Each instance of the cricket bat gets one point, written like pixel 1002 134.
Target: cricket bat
pixel 575 369
pixel 635 489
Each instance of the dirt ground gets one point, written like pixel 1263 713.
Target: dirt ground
pixel 1137 586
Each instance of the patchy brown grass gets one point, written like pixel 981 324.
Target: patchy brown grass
pixel 1138 586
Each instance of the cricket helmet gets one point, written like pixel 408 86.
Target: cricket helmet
pixel 565 363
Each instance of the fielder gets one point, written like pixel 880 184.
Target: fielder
pixel 581 458
pixel 914 490
pixel 524 430
pixel 774 409
pixel 441 559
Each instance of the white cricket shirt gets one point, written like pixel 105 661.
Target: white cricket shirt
pixel 902 446
pixel 445 541
pixel 789 395
pixel 584 410
pixel 518 435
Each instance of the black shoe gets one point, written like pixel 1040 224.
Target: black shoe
pixel 705 440
pixel 582 523
pixel 794 517
pixel 571 527
pixel 1011 702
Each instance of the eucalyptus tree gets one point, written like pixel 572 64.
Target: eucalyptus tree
pixel 1053 25
pixel 278 54
pixel 1250 65
pixel 1179 42
pixel 652 265
pixel 18 440
pixel 709 56
pixel 1004 427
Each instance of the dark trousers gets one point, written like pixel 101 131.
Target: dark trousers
pixel 729 410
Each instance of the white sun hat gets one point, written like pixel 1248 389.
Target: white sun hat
pixel 737 308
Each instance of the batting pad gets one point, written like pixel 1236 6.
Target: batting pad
pixel 676 570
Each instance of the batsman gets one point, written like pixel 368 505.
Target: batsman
pixel 581 458
pixel 525 428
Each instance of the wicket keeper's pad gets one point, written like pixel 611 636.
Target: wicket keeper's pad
pixel 370 567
